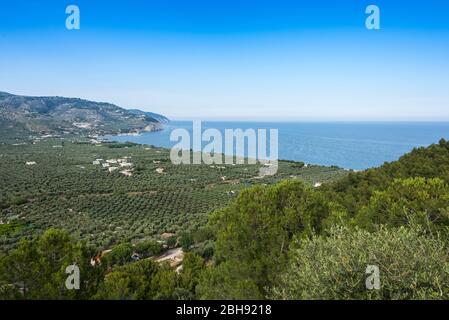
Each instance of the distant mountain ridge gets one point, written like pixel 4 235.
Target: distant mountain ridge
pixel 73 115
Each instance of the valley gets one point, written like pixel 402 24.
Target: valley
pixel 106 193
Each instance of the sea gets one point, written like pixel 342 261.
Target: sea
pixel 349 145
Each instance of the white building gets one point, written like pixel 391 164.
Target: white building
pixel 127 173
pixel 126 164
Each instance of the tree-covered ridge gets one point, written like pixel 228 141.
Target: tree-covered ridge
pixel 70 115
pixel 356 189
pixel 288 240
pixel 285 234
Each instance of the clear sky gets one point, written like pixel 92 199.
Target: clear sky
pixel 235 59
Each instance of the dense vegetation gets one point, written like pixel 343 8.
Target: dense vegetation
pixel 282 240
pixel 37 270
pixel 317 242
pixel 62 188
pixel 413 264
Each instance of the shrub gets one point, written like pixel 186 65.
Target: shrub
pixel 144 279
pixel 148 248
pixel 120 254
pixel 186 241
pixel 413 265
pixel 418 199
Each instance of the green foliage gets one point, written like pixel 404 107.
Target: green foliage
pixel 192 267
pixel 273 240
pixel 12 228
pixel 120 255
pixel 65 190
pixel 172 241
pixel 36 269
pixel 148 248
pixel 113 145
pixel 205 249
pixel 355 190
pixel 203 234
pixel 186 241
pixel 254 232
pixel 144 279
pixel 413 264
pixel 228 281
pixel 417 199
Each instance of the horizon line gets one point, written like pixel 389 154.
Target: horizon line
pixel 242 119
pixel 174 119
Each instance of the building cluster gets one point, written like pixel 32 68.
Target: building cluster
pixel 123 165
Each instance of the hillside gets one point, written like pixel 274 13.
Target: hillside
pixel 156 116
pixel 70 115
pixel 242 238
pixel 289 241
pixel 107 192
pixel 355 190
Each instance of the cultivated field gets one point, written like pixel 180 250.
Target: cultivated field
pixel 107 193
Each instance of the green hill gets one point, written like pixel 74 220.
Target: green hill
pixel 48 115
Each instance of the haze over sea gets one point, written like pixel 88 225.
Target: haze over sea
pixel 350 145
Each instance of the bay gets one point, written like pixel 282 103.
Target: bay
pixel 350 145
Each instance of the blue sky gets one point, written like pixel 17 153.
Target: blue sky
pixel 245 60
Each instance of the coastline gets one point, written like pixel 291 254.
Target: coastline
pixel 353 146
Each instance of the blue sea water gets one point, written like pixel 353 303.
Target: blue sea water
pixel 351 145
